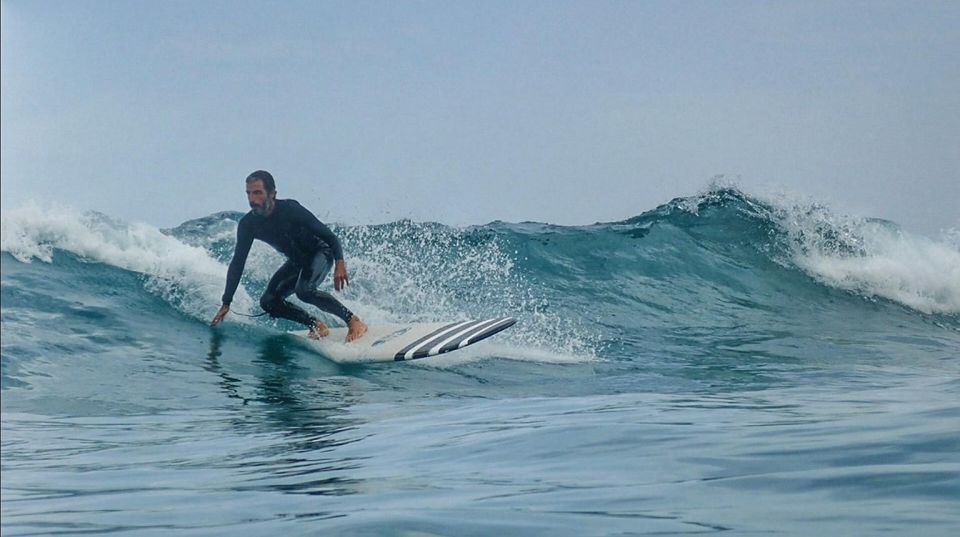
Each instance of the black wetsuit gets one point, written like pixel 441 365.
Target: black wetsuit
pixel 310 248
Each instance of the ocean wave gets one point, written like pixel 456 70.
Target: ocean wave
pixel 869 257
pixel 873 258
pixel 704 255
pixel 185 276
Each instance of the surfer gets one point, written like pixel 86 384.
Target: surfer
pixel 310 248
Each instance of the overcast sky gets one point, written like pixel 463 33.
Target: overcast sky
pixel 464 112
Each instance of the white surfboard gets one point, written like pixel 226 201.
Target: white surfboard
pixel 398 342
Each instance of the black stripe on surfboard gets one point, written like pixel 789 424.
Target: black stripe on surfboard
pixel 424 349
pixel 462 336
pixel 466 337
pixel 479 333
pixel 433 347
pixel 443 329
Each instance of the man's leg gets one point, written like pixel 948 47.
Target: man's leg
pixel 312 276
pixel 282 285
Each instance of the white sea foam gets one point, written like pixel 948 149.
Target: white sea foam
pixel 872 257
pixel 183 275
pixel 417 272
pixel 495 347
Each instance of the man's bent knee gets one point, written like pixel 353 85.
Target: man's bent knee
pixel 269 304
pixel 306 294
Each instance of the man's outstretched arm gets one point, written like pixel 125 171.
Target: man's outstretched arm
pixel 240 252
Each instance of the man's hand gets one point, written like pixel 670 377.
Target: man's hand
pixel 340 278
pixel 221 313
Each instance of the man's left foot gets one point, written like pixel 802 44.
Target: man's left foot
pixel 318 330
pixel 355 329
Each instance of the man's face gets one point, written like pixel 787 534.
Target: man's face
pixel 260 200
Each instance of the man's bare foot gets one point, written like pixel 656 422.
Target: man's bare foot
pixel 318 330
pixel 355 329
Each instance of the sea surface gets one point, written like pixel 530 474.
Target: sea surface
pixel 723 363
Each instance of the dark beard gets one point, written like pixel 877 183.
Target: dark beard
pixel 259 210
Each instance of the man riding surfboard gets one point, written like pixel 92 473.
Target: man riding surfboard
pixel 310 247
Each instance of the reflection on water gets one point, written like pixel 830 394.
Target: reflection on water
pixel 228 384
pixel 304 414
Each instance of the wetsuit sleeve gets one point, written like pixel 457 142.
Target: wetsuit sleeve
pixel 311 222
pixel 244 242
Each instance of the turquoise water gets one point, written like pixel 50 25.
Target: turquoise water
pixel 719 363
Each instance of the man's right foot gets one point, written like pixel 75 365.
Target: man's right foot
pixel 355 329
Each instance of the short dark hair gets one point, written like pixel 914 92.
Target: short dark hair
pixel 262 175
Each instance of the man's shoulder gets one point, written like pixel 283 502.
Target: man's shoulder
pixel 289 203
pixel 292 207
